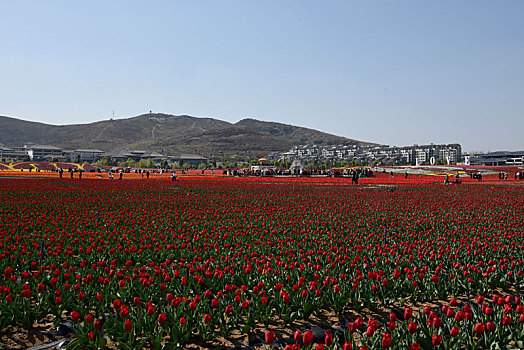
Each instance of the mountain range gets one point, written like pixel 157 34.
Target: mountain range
pixel 169 133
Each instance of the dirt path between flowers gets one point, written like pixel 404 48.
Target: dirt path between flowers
pixel 16 338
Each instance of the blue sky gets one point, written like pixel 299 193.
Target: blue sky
pixel 392 72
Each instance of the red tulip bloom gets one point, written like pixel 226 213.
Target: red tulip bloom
pixel 454 332
pixel 124 312
pixel 328 340
pixel 408 313
pixel 479 328
pixel 436 340
pixel 214 303
pixel 489 311
pixel 297 336
pixel 75 315
pixel 207 318
pixel 392 325
pixel 270 337
pixel 229 310
pixel 370 331
pixel 386 340
pixel 151 311
pixel 459 316
pixel 308 338
pixel 98 325
pixel 182 321
pixel 128 326
pixel 412 327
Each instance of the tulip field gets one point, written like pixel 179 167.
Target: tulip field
pixel 258 263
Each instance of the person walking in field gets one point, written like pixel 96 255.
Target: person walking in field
pixel 173 176
pixel 110 175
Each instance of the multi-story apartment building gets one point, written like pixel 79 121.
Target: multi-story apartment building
pixel 416 154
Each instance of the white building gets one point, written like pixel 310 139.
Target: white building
pixel 39 152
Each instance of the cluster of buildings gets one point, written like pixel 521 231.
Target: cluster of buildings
pixel 48 153
pixel 498 158
pixel 378 154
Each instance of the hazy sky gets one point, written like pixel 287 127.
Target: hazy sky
pixel 392 72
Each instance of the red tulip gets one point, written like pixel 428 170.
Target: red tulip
pixel 436 340
pixel 479 328
pixel 328 339
pixel 75 315
pixel 308 338
pixel 229 310
pixel 412 327
pixel 270 337
pixel 454 332
pixel 297 336
pixel 386 340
